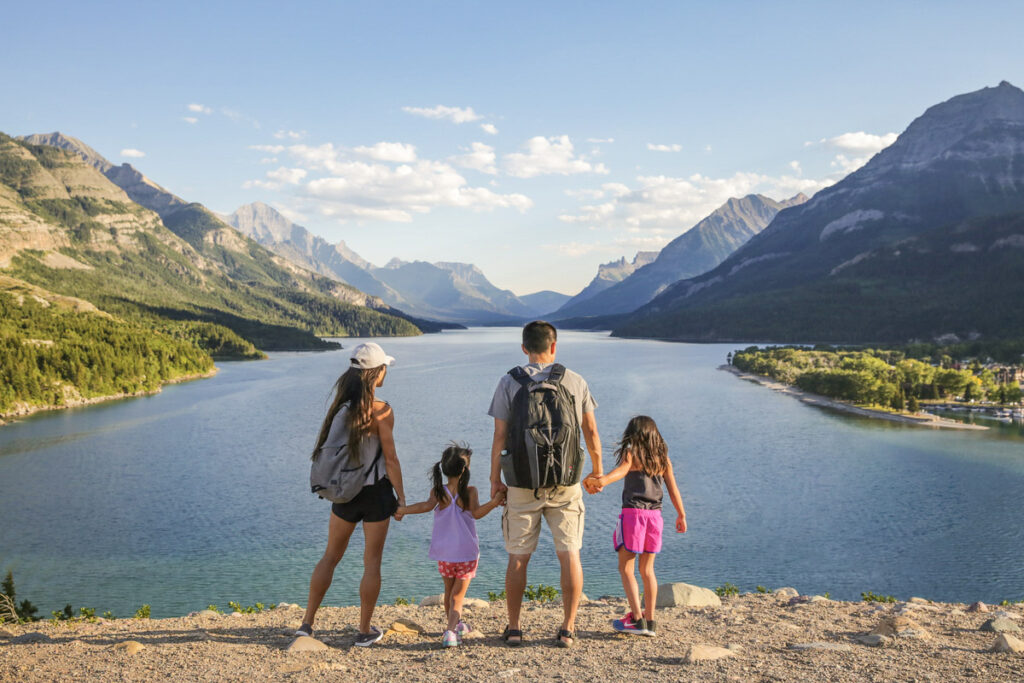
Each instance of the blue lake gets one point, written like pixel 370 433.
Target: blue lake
pixel 199 495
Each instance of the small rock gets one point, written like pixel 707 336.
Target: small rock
pixel 208 613
pixel 508 673
pixel 899 627
pixel 819 598
pixel 799 600
pixel 735 647
pixel 686 595
pixel 919 601
pixel 1004 614
pixel 707 653
pixel 407 626
pixel 32 637
pixel 475 603
pixel 4 633
pixel 236 614
pixel 839 647
pixel 306 644
pixel 473 635
pixel 432 600
pixel 785 592
pixel 957 612
pixel 283 605
pixel 978 607
pixel 1000 625
pixel 1005 643
pixel 130 647
pixel 873 639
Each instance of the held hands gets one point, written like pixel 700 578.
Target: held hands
pixel 499 497
pixel 681 524
pixel 498 488
pixel 593 484
pixel 400 511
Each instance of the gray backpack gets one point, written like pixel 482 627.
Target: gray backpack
pixel 337 477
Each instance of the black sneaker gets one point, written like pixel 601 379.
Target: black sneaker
pixel 652 628
pixel 368 639
pixel 304 630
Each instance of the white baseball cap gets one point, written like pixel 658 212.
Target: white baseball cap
pixel 370 355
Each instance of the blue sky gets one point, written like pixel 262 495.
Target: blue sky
pixel 536 141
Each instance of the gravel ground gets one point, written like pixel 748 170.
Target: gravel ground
pixel 942 643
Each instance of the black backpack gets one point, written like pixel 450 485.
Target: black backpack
pixel 542 448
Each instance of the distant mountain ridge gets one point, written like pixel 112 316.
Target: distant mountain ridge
pixel 697 250
pixel 924 241
pixel 458 292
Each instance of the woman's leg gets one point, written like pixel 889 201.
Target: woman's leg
pixel 458 593
pixel 369 587
pixel 338 533
pixel 650 584
pixel 449 581
pixel 629 581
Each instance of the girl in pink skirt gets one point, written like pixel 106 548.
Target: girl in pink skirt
pixel 454 543
pixel 642 460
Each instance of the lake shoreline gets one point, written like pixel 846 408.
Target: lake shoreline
pixel 29 410
pixel 919 420
pixel 746 637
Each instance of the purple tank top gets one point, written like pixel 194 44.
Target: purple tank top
pixel 454 537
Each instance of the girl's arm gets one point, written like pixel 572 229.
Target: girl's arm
pixel 418 508
pixel 618 473
pixel 677 500
pixel 385 422
pixel 479 510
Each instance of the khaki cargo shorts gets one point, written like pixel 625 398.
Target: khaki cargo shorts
pixel 561 507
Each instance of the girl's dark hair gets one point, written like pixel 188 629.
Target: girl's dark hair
pixel 355 389
pixel 454 463
pixel 643 441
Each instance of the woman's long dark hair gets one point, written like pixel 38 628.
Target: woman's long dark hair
pixel 644 442
pixel 454 463
pixel 355 389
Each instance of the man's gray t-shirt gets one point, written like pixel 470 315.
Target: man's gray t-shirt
pixel 501 404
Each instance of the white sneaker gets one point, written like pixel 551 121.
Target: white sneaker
pixel 449 639
pixel 368 639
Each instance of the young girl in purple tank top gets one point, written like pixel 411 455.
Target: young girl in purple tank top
pixel 642 460
pixel 453 543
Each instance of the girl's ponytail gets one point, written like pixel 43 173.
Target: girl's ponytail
pixel 464 488
pixel 437 484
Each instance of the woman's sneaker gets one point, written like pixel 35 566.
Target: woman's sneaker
pixel 628 624
pixel 368 639
pixel 304 630
pixel 652 628
pixel 449 639
pixel 461 629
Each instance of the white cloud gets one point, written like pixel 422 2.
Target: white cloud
pixel 239 117
pixel 795 165
pixel 290 134
pixel 132 153
pixel 272 149
pixel 664 148
pixel 321 157
pixel 453 114
pixel 357 189
pixel 662 207
pixel 278 178
pixel 545 156
pixel 479 157
pixel 199 108
pixel 861 142
pixel 607 189
pixel 708 149
pixel 389 151
pixel 600 141
pixel 190 119
pixel 846 165
pixel 268 160
pixel 489 128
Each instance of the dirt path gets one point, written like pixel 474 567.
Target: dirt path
pixel 940 643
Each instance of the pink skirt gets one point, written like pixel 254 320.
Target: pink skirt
pixel 638 531
pixel 457 570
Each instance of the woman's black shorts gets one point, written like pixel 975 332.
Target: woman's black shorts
pixel 374 503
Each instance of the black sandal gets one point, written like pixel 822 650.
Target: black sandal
pixel 562 633
pixel 512 633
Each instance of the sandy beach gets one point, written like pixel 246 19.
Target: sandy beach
pixel 759 637
pixel 919 420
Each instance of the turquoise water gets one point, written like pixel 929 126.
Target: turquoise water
pixel 199 495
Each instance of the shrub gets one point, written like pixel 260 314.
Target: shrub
pixel 872 597
pixel 494 597
pixel 400 601
pixel 142 612
pixel 541 593
pixel 727 589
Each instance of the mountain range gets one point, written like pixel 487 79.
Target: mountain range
pixel 450 291
pixel 925 241
pixel 622 287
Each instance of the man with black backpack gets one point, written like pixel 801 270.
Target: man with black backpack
pixel 539 410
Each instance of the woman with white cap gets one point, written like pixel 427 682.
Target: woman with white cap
pixel 365 424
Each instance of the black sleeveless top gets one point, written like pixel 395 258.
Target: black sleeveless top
pixel 641 491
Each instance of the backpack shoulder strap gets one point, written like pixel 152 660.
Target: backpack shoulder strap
pixel 520 376
pixel 557 373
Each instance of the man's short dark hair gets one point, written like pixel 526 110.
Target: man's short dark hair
pixel 538 336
